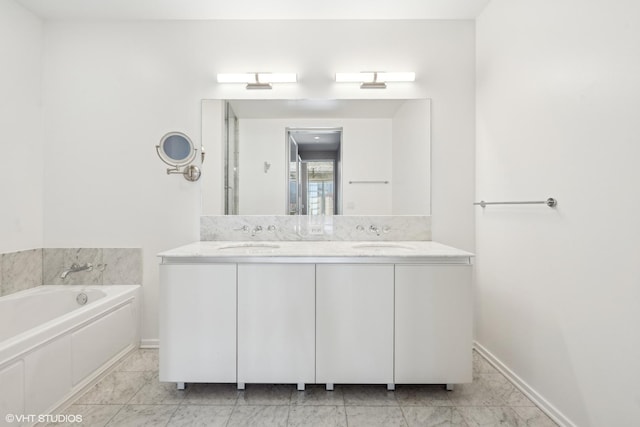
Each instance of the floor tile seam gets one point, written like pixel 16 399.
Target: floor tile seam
pixel 541 411
pixel 260 404
pixel 486 407
pixel 122 406
pixel 404 417
pixel 104 404
pixel 372 406
pixel 263 404
pixel 425 406
pixel 183 403
pixel 150 404
pixel 172 415
pixel 503 407
pixel 289 410
pixel 329 405
pixel 144 383
pixel 462 418
pixel 490 395
pixel 306 405
pixel 230 415
pixel 235 407
pixel 448 408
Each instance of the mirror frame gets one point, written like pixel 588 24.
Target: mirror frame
pixel 171 161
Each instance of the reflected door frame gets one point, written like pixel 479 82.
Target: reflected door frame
pixel 291 146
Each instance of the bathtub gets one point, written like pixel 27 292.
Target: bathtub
pixel 53 343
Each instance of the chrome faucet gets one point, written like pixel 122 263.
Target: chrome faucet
pixel 374 229
pixel 75 267
pixel 257 229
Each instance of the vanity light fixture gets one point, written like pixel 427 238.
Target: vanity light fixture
pixel 375 79
pixel 258 80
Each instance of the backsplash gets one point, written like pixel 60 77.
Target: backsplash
pixel 27 269
pixel 322 228
pixel 112 266
pixel 20 270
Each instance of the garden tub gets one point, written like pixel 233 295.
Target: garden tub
pixel 56 339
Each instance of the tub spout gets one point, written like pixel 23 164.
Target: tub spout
pixel 75 267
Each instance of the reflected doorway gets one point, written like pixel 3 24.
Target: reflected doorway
pixel 314 164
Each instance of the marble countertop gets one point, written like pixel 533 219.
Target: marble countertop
pixel 317 252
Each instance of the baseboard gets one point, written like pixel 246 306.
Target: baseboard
pixel 542 403
pixel 150 343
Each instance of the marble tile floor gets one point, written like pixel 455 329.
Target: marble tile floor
pixel 131 395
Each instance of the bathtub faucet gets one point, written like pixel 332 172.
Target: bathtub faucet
pixel 75 267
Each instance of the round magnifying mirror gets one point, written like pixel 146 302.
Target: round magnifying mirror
pixel 176 149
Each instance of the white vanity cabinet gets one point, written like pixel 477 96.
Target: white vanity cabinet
pixel 321 312
pixel 198 323
pixel 354 331
pixel 433 324
pixel 276 323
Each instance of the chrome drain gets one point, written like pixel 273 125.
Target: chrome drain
pixel 82 298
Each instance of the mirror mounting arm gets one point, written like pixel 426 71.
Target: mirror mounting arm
pixel 177 158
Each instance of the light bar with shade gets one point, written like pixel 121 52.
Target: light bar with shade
pixel 375 79
pixel 257 80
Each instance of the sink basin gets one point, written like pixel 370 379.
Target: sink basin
pixel 250 246
pixel 382 245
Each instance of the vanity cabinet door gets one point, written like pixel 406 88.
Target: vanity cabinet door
pixel 276 323
pixel 433 324
pixel 198 322
pixel 354 333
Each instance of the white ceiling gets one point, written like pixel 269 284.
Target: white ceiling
pixel 254 9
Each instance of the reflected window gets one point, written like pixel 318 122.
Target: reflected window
pixel 320 187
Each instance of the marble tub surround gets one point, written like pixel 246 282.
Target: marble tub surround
pixel 56 260
pixel 315 228
pixel 319 251
pixel 27 269
pixel 20 270
pixel 111 266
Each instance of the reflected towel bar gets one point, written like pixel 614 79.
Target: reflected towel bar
pixel 551 202
pixel 368 182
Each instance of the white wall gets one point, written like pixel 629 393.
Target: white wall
pixel 113 89
pixel 21 184
pixel 558 290
pixel 411 157
pixel 366 156
pixel 259 141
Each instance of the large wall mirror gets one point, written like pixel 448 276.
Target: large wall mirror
pixel 317 157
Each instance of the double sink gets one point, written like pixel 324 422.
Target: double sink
pixel 366 245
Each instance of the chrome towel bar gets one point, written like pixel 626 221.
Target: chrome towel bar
pixel 551 202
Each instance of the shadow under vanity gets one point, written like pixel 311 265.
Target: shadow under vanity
pixel 374 310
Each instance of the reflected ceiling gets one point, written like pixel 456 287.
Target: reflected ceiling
pixel 316 108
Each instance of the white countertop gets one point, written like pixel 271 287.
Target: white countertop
pixel 317 252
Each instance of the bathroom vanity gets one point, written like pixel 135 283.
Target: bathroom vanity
pixel 316 312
